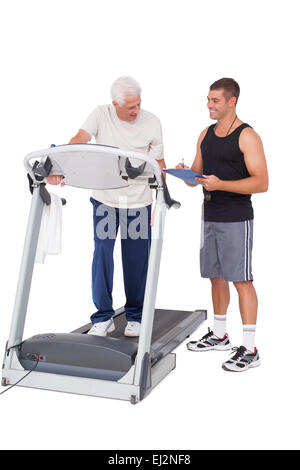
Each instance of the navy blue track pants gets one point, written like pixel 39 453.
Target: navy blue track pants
pixel 135 244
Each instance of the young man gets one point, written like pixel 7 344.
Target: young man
pixel 125 125
pixel 231 157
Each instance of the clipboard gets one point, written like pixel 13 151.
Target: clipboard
pixel 185 174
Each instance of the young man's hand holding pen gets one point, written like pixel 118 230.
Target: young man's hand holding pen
pixel 181 165
pixel 209 182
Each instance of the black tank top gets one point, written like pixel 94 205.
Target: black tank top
pixel 223 158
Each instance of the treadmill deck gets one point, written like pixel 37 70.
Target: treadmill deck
pixel 110 357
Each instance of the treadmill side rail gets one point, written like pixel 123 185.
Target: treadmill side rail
pixel 151 286
pixel 26 269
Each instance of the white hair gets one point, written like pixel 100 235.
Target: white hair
pixel 123 87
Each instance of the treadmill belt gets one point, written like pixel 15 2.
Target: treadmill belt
pixel 164 322
pixel 170 328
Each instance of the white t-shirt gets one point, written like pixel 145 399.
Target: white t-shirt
pixel 142 135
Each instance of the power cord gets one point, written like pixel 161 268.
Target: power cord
pixel 35 357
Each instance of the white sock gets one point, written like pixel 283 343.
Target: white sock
pixel 249 337
pixel 220 325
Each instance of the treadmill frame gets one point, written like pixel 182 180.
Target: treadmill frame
pixel 142 377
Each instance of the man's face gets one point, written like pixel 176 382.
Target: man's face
pixel 130 109
pixel 217 105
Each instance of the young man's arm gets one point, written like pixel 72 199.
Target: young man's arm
pixel 255 161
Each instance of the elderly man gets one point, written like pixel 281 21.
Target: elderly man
pixel 125 125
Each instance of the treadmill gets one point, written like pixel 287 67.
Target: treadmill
pixel 114 366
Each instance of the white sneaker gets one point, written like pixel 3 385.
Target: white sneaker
pixel 102 328
pixel 133 328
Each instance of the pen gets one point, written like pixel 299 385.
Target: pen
pixel 182 163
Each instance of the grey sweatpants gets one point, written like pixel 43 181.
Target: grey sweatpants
pixel 226 250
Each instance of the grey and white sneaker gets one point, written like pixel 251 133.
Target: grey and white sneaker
pixel 242 360
pixel 209 342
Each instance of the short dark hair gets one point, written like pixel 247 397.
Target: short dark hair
pixel 230 86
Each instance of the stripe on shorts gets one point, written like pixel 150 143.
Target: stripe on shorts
pixel 247 250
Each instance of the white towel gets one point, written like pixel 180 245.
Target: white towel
pixel 50 235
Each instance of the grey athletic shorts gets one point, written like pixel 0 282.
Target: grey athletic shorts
pixel 226 250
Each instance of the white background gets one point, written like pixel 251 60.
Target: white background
pixel 58 60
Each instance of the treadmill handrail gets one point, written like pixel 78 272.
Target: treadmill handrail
pixel 94 148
